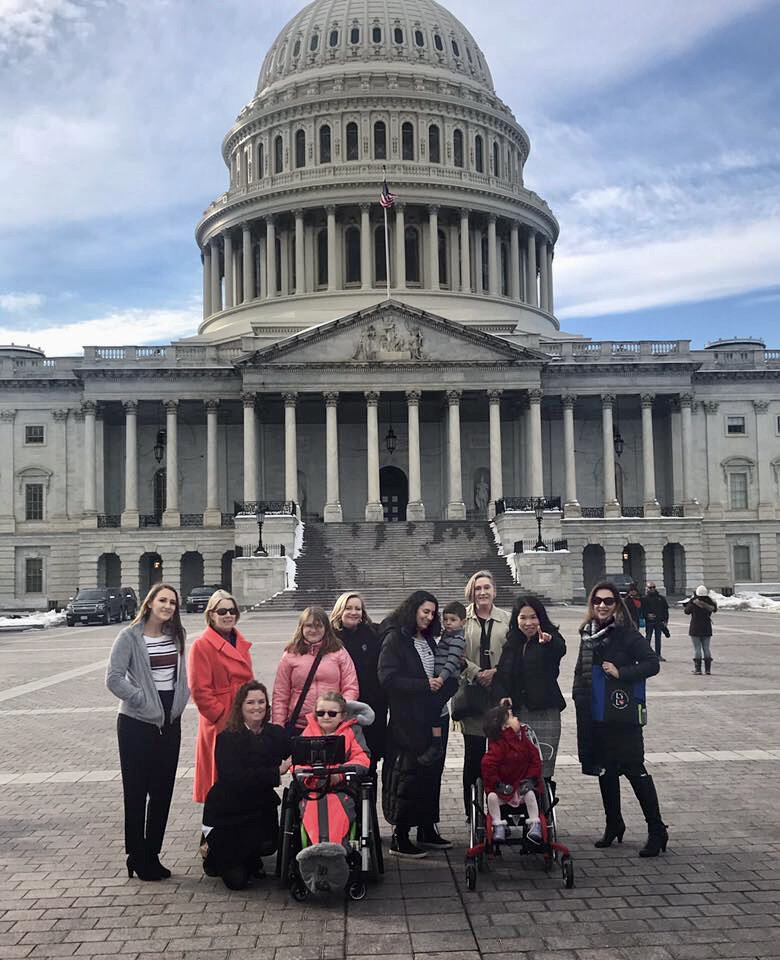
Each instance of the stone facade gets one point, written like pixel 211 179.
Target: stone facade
pixel 445 394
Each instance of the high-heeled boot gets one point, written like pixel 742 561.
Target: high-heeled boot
pixel 609 784
pixel 143 867
pixel 657 834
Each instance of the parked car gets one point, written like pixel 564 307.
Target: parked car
pixel 129 603
pixel 198 598
pixel 622 581
pixel 98 605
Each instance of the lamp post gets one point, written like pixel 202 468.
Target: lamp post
pixel 260 550
pixel 539 514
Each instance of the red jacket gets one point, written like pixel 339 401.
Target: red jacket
pixel 511 759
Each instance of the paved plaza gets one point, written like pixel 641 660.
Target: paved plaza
pixel 713 747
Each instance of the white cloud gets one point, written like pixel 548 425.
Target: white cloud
pixel 31 25
pixel 133 326
pixel 20 302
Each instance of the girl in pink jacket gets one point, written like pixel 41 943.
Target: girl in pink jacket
pixel 335 670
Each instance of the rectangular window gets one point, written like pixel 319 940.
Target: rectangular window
pixel 742 569
pixel 738 491
pixel 34 433
pixel 735 426
pixel 33 575
pixel 33 501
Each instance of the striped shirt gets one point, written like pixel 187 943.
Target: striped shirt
pixel 164 658
pixel 425 654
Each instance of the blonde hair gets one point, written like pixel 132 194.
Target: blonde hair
pixel 214 601
pixel 333 696
pixel 469 591
pixel 341 605
pixel 330 642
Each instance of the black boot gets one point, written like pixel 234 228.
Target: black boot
pixel 697 665
pixel 657 834
pixel 609 784
pixel 707 665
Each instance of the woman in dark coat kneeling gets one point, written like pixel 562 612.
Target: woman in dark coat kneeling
pixel 614 658
pixel 240 818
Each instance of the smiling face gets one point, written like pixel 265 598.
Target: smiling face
pixel 223 616
pixel 254 709
pixel 484 593
pixel 425 614
pixel 528 621
pixel 313 631
pixel 604 603
pixel 163 606
pixel 353 613
pixel 328 724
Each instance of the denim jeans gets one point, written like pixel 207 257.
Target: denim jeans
pixel 701 648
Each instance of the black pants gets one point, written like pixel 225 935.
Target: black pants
pixel 654 628
pixel 444 726
pixel 474 751
pixel 148 757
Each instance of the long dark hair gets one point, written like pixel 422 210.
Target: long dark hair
pixel 405 614
pixel 173 626
pixel 235 720
pixel 621 615
pixel 545 624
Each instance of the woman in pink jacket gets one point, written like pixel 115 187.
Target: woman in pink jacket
pixel 335 670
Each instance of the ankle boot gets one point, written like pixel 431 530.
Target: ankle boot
pixel 707 665
pixel 657 834
pixel 609 784
pixel 697 665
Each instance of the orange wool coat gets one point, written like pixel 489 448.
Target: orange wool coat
pixel 216 670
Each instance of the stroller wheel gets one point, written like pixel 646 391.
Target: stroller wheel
pixel 471 876
pixel 356 890
pixel 299 891
pixel 567 871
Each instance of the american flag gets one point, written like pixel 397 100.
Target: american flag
pixel 386 199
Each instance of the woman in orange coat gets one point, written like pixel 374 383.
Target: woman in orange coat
pixel 219 664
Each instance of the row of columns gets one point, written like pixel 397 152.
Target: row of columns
pixel 529 269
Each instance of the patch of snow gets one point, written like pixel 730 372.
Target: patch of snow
pixel 298 542
pixel 40 621
pixel 292 569
pixel 742 601
pixel 497 538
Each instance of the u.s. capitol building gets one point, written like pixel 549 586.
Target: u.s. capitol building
pixel 456 399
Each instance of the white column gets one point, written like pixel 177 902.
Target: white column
pixel 465 253
pixel 7 516
pixel 332 512
pixel 171 516
pixel 229 297
pixel 415 509
pixel 332 250
pixel 550 295
pixel 270 258
pixel 250 448
pixel 433 245
pixel 764 441
pixel 686 428
pixel 365 246
pixel 536 474
pixel 216 275
pixel 290 447
pixel 530 285
pixel 89 408
pixel 206 260
pixel 248 261
pixel 400 247
pixel 496 464
pixel 300 254
pixel 130 513
pixel 492 247
pixel 212 515
pixel 456 508
pixel 544 288
pixel 651 505
pixel 374 510
pixel 571 505
pixel 714 470
pixel 611 505
pixel 478 287
pixel 514 261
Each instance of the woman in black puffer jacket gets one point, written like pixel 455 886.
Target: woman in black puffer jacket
pixel 609 720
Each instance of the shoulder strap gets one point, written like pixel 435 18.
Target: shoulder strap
pixel 305 690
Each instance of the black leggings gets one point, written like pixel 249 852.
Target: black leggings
pixel 474 751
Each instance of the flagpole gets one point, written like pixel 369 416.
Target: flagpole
pixel 387 240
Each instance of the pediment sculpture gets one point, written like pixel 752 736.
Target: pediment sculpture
pixel 391 341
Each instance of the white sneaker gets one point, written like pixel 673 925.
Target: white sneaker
pixel 499 829
pixel 535 832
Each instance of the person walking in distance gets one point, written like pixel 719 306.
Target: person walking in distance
pixel 656 613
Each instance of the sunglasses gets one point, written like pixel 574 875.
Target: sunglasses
pixel 604 601
pixel 226 612
pixel 327 713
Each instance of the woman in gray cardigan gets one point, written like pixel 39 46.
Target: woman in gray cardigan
pixel 147 671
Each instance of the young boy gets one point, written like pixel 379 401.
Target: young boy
pixel 447 665
pixel 511 769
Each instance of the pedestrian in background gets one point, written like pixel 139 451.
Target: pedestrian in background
pixel 700 608
pixel 656 613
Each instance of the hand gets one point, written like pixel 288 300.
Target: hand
pixel 284 766
pixel 436 683
pixel 335 779
pixel 610 669
pixel 544 637
pixel 485 677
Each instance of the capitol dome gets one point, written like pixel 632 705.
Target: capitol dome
pixel 351 92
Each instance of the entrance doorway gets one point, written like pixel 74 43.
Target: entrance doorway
pixel 109 570
pixel 674 569
pixel 634 563
pixel 594 565
pixel 150 571
pixel 191 566
pixel 394 493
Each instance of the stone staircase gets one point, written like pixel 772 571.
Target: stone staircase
pixel 385 562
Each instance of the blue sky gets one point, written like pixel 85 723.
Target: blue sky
pixel 654 132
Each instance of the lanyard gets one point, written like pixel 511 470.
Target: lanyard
pixel 484 643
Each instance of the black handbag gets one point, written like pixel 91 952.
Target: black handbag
pixel 624 703
pixel 471 700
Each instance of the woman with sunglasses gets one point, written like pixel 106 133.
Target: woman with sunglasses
pixel 220 663
pixel 609 723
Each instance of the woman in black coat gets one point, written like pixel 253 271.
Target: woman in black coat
pixel 410 789
pixel 240 817
pixel 528 674
pixel 609 717
pixel 352 625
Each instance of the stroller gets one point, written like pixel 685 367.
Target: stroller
pixel 306 866
pixel 483 845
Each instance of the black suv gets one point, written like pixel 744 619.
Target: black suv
pixel 198 599
pixel 98 605
pixel 129 602
pixel 622 581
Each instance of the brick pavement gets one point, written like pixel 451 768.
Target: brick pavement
pixel 64 891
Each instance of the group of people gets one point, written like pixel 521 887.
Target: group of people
pixel 392 690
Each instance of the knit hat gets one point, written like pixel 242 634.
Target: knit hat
pixel 701 590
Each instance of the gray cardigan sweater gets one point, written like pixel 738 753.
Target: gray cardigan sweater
pixel 129 677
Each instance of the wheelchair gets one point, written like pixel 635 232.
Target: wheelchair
pixel 483 846
pixel 315 762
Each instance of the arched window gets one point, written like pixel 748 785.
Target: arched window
pixel 352 141
pixel 376 35
pixel 352 254
pixel 442 259
pixel 300 148
pixel 468 54
pixel 496 160
pixel 260 169
pixel 479 154
pixel 398 35
pixel 419 38
pixel 314 42
pixel 296 49
pixel 325 143
pixel 278 155
pixel 380 260
pixel 438 42
pixel 333 39
pixel 322 258
pixel 457 147
pixel 407 141
pixel 248 163
pixel 434 146
pixel 456 48
pixel 380 140
pixel 412 249
pixel 354 35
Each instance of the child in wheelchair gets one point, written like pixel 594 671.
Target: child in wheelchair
pixel 511 772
